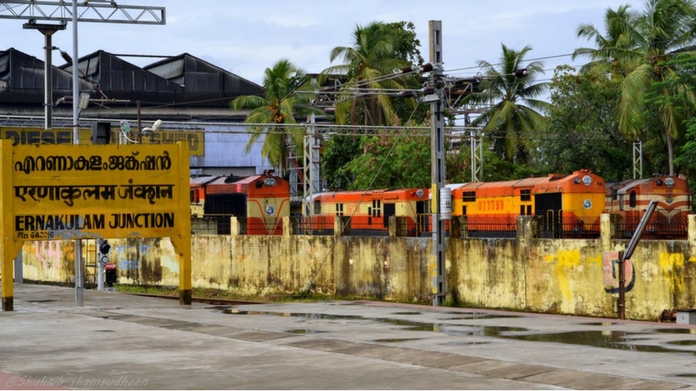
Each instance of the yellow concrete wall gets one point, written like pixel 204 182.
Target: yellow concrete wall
pixel 539 275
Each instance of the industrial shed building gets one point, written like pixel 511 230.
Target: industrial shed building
pixel 187 93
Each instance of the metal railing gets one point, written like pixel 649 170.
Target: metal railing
pixel 659 226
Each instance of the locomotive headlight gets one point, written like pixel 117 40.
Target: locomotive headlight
pixel 587 180
pixel 269 182
pixel 669 182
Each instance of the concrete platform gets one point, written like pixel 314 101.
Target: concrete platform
pixel 119 341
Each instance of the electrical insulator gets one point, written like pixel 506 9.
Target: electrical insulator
pixel 520 73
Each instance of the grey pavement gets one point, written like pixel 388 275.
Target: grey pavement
pixel 120 341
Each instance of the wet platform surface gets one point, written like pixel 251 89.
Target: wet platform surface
pixel 120 341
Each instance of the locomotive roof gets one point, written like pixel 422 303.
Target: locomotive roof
pixel 383 193
pixel 550 182
pixel 202 180
pixel 622 187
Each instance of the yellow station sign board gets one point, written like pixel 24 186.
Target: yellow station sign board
pixel 112 191
pixel 61 192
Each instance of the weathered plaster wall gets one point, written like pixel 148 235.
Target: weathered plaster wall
pixel 540 275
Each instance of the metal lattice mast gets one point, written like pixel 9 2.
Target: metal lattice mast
pixel 637 160
pixel 476 156
pixel 48 17
pixel 102 11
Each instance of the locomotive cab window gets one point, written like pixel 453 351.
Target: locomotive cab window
pixel 525 210
pixel 526 195
pixel 339 209
pixel 376 208
pixel 632 199
pixel 469 196
pixel 317 207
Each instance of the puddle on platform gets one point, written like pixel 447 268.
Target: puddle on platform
pixel 305 331
pixel 682 343
pixel 218 307
pixel 235 311
pixel 390 340
pixel 463 343
pixel 406 313
pixel 103 331
pixel 685 375
pixel 599 324
pixel 477 315
pixel 674 331
pixel 411 326
pixel 600 338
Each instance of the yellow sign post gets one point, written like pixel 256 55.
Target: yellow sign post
pixel 67 192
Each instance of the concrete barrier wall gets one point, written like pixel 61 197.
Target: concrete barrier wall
pixel 541 275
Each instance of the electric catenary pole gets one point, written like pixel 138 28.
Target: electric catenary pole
pixel 440 200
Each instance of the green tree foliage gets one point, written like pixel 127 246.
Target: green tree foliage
pixel 339 151
pixel 583 127
pixel 279 106
pixel 682 99
pixel 612 55
pixel 494 168
pixel 514 112
pixel 365 64
pixel 687 158
pixel 400 161
pixel 407 47
pixel 369 97
pixel 663 29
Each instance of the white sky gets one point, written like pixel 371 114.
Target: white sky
pixel 247 36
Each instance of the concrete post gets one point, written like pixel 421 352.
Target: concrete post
pixel 605 231
pixel 342 226
pixel 526 230
pixel 459 227
pixel 393 229
pixel 288 223
pixel 691 229
pixel 234 226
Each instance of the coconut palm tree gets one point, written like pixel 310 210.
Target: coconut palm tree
pixel 513 110
pixel 664 29
pixel 367 65
pixel 278 107
pixel 613 53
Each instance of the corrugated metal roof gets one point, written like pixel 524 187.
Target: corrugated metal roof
pixel 196 75
pixel 22 78
pixel 183 80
